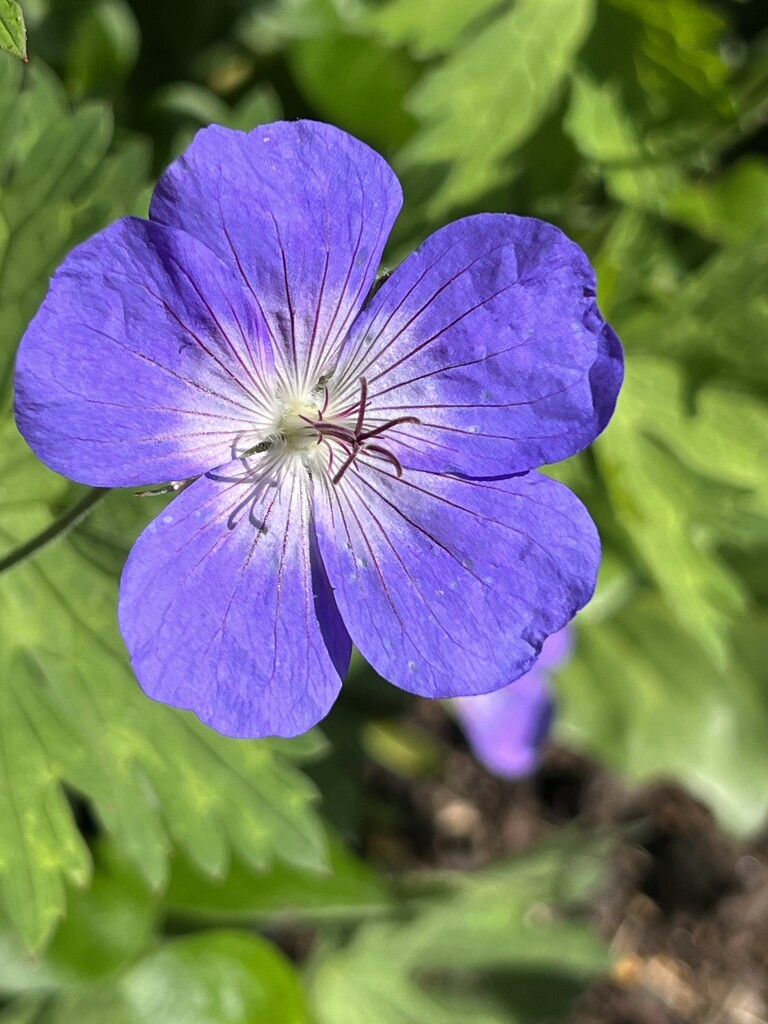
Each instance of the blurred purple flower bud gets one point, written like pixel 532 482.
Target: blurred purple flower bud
pixel 507 729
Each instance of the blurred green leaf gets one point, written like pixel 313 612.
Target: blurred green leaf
pixel 603 133
pixel 357 84
pixel 13 34
pixel 427 27
pixel 23 1011
pixel 185 107
pixel 215 978
pixel 509 918
pixel 645 698
pixel 107 926
pixel 488 96
pixel 716 320
pixel 731 209
pixel 104 48
pixel 686 473
pixel 71 710
pixel 681 39
pixel 348 889
pixel 268 26
pixel 59 182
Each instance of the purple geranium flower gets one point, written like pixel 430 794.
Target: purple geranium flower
pixel 360 462
pixel 507 728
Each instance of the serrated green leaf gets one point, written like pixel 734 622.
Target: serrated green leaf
pixel 72 711
pixel 13 32
pixel 645 698
pixel 682 37
pixel 509 918
pixel 603 132
pixel 488 96
pixel 222 977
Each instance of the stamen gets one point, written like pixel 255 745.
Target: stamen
pixel 353 440
pixel 390 456
pixel 361 407
pixel 386 426
pixel 347 463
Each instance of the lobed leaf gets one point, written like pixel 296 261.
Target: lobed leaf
pixel 488 96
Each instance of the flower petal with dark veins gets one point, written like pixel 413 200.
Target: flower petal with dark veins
pixel 489 334
pixel 302 211
pixel 144 363
pixel 449 587
pixel 226 612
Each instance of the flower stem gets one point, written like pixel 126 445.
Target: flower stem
pixel 57 529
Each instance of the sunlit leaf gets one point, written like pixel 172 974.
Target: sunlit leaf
pixel 603 132
pixel 487 97
pixel 716 320
pixel 427 27
pixel 13 34
pixel 222 977
pixel 686 472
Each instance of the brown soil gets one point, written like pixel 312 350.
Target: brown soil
pixel 685 909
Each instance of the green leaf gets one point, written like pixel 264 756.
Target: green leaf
pixel 683 38
pixel 59 182
pixel 729 210
pixel 106 928
pixel 684 475
pixel 268 26
pixel 23 1011
pixel 644 697
pixel 427 27
pixel 716 320
pixel 368 99
pixel 222 977
pixel 511 918
pixel 349 889
pixel 72 711
pixel 480 105
pixel 603 133
pixel 13 33
pixel 104 48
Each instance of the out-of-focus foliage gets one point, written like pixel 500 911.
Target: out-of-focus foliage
pixel 510 922
pixel 636 126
